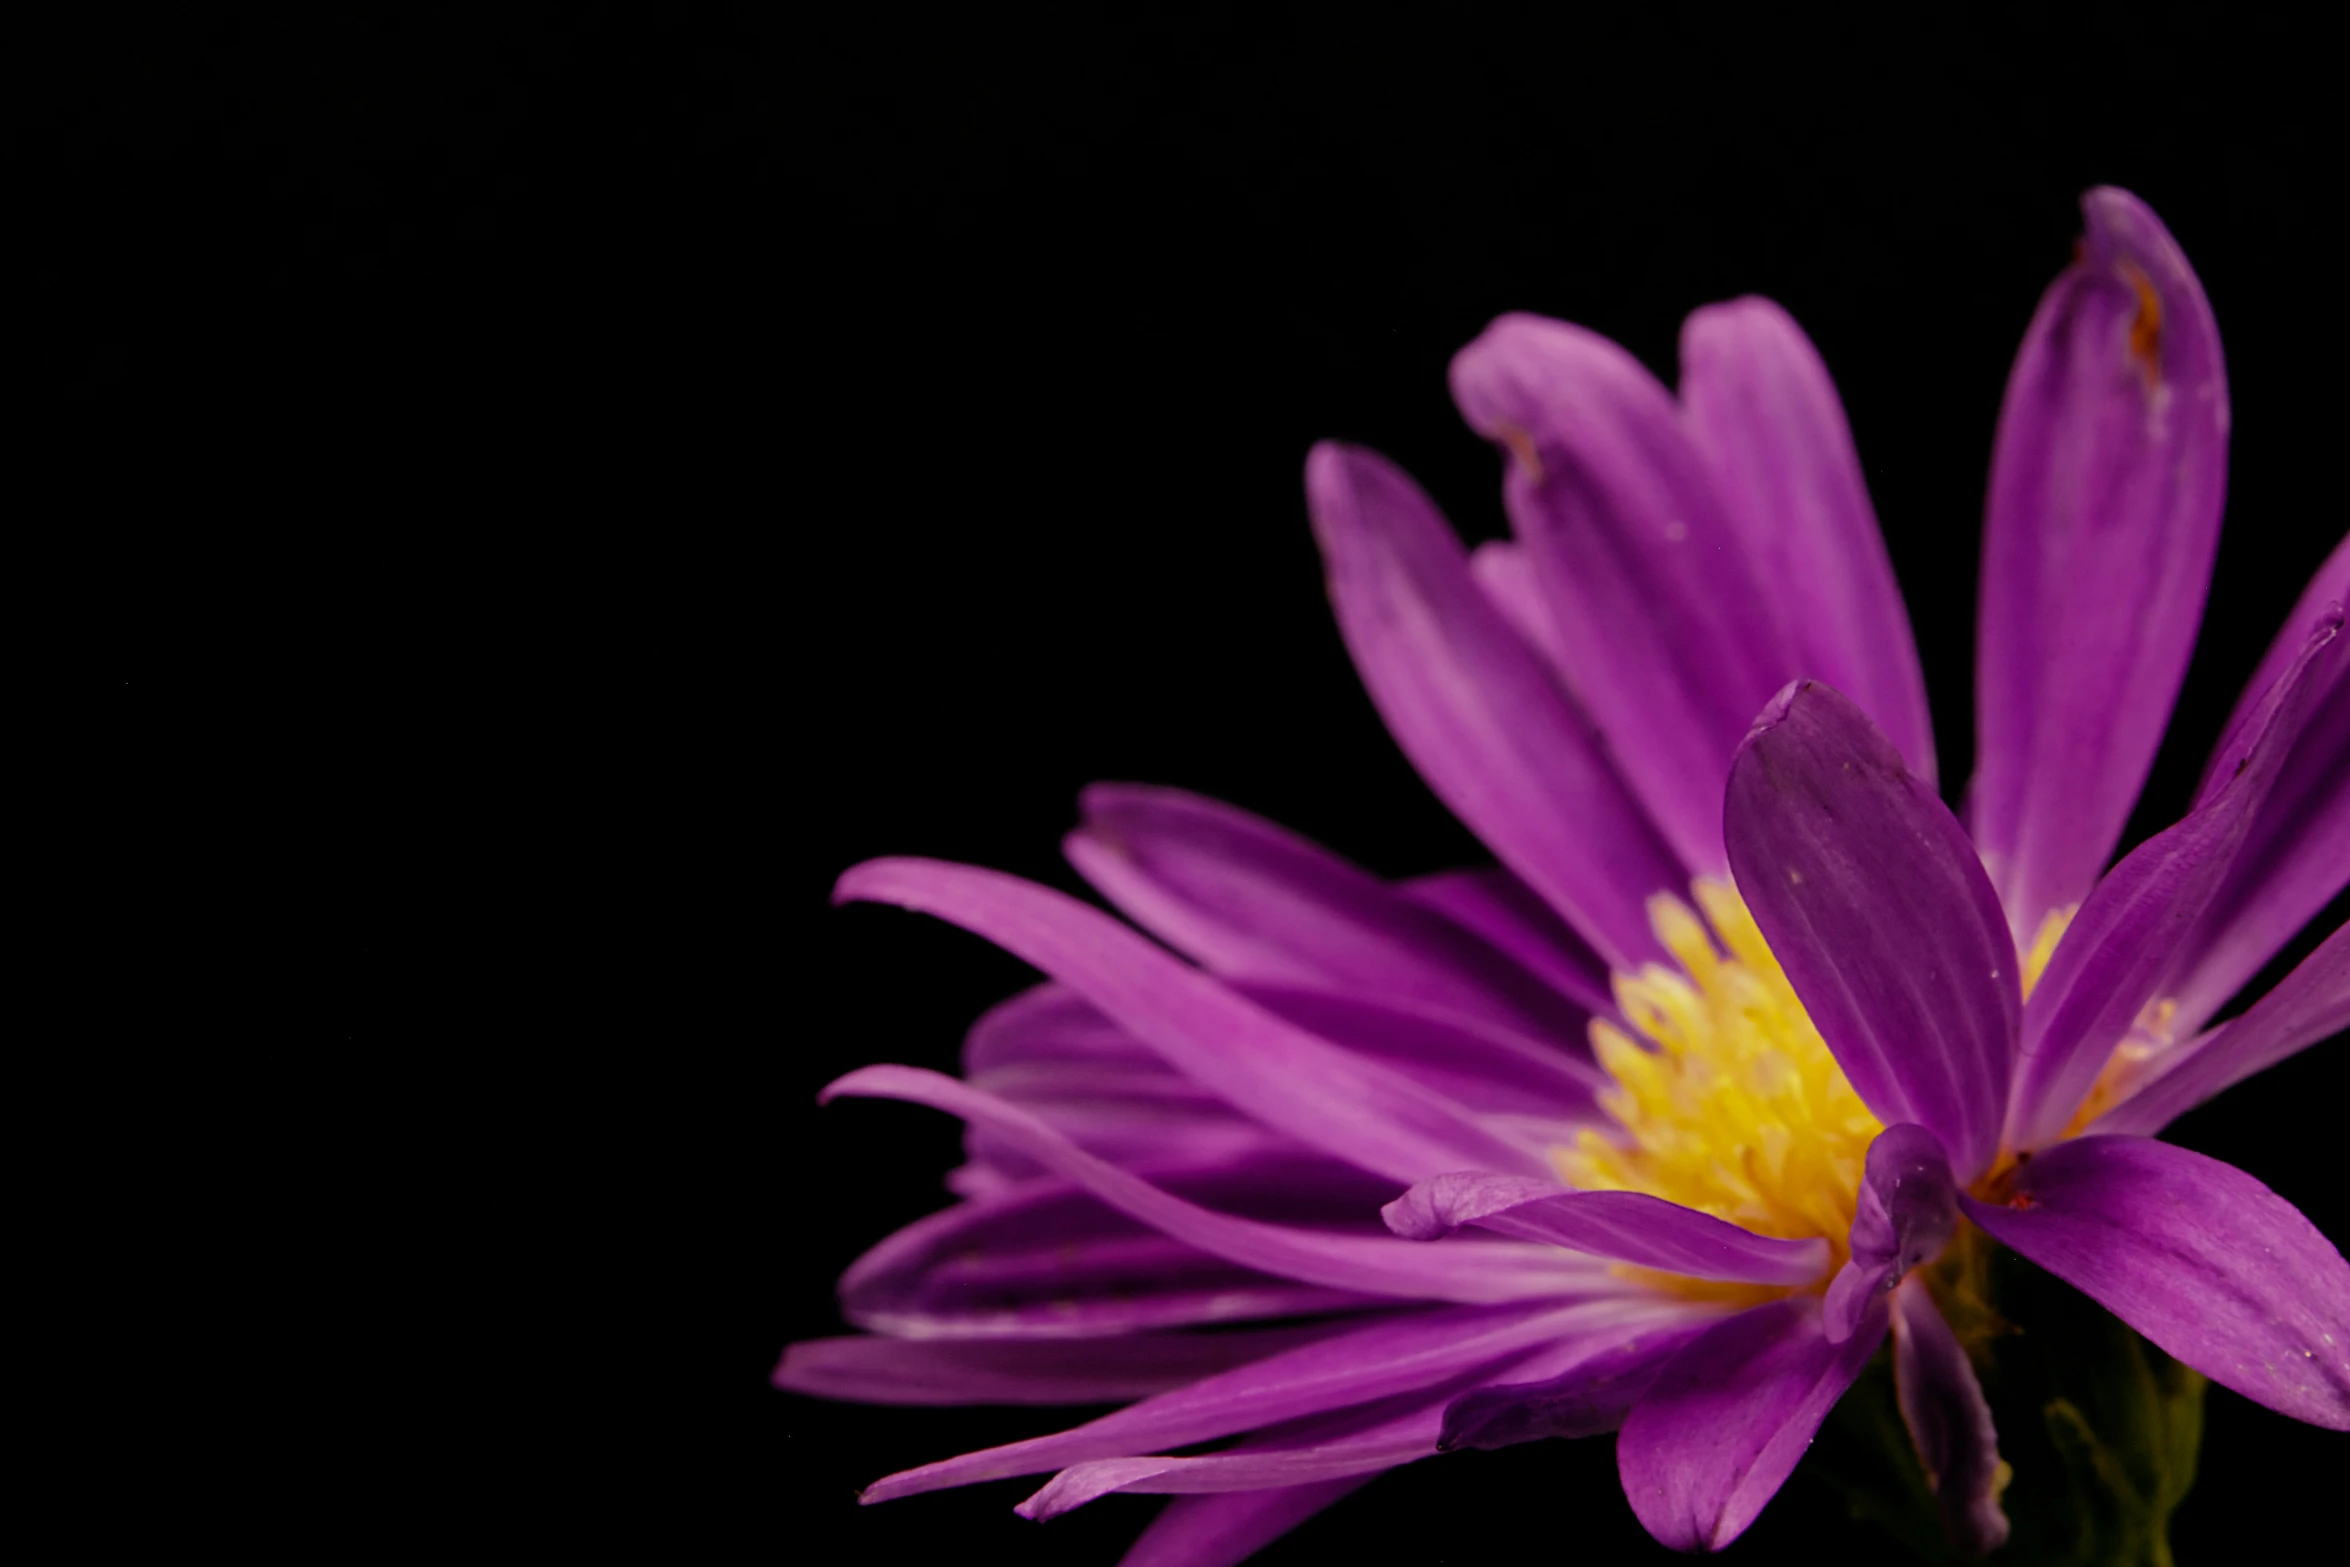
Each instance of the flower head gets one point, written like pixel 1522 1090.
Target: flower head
pixel 1664 1124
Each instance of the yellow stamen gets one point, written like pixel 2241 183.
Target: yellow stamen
pixel 2044 941
pixel 1733 1106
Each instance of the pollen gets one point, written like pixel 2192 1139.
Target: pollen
pixel 1728 1101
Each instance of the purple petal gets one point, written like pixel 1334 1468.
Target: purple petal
pixel 1370 1264
pixel 1942 1404
pixel 1348 1107
pixel 1510 915
pixel 2201 1258
pixel 1046 1259
pixel 1629 1226
pixel 1874 903
pixel 1719 1432
pixel 1482 1070
pixel 1662 624
pixel 2106 484
pixel 1476 710
pixel 1908 1211
pixel 2309 1004
pixel 1506 575
pixel 1251 901
pixel 1225 1529
pixel 1766 417
pixel 1394 1355
pixel 2330 584
pixel 869 1370
pixel 1051 1024
pixel 1587 1400
pixel 2127 936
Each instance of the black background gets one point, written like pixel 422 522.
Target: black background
pixel 637 468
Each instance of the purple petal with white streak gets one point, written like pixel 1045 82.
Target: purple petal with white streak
pixel 2211 1265
pixel 2309 1004
pixel 1907 1212
pixel 2106 485
pixel 872 1370
pixel 1767 419
pixel 1318 1093
pixel 1943 1406
pixel 1722 1427
pixel 2127 936
pixel 1477 710
pixel 1250 900
pixel 1874 903
pixel 1225 1529
pixel 1630 1226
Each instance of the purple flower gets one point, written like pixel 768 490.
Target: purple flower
pixel 1669 1116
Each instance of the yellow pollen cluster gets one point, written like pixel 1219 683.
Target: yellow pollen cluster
pixel 1734 1105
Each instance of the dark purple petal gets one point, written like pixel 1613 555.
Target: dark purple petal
pixel 870 1370
pixel 2129 934
pixel 2106 484
pixel 1629 1226
pixel 1316 1092
pixel 2329 584
pixel 1044 1258
pixel 1395 1355
pixel 1051 1025
pixel 2201 1258
pixel 1480 1069
pixel 1586 1400
pixel 1874 903
pixel 1908 1210
pixel 1476 709
pixel 1766 417
pixel 2309 1004
pixel 1943 1406
pixel 1509 914
pixel 1370 1264
pixel 1225 1529
pixel 1252 901
pixel 1662 623
pixel 1722 1427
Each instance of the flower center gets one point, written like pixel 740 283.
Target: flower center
pixel 1733 1105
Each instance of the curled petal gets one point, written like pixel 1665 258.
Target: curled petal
pixel 1875 904
pixel 1908 1211
pixel 1631 1226
pixel 2106 483
pixel 2211 1265
pixel 1943 1406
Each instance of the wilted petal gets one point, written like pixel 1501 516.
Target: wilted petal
pixel 1630 1226
pixel 2106 485
pixel 1471 1272
pixel 1717 1435
pixel 2211 1265
pixel 1663 626
pixel 2128 935
pixel 1252 901
pixel 1227 1528
pixel 1316 1092
pixel 1908 1210
pixel 1767 419
pixel 873 1370
pixel 2309 1004
pixel 1874 903
pixel 1942 1404
pixel 1475 708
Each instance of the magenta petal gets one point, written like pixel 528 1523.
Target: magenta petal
pixel 1943 1406
pixel 1397 1355
pixel 1663 626
pixel 2309 1004
pixel 1318 1093
pixel 1225 1529
pixel 1368 1263
pixel 872 1370
pixel 1908 1211
pixel 1477 711
pixel 1506 575
pixel 2198 1256
pixel 1723 1425
pixel 2106 485
pixel 1874 903
pixel 2129 933
pixel 1585 1400
pixel 1767 419
pixel 1252 901
pixel 1629 1226
pixel 1511 916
